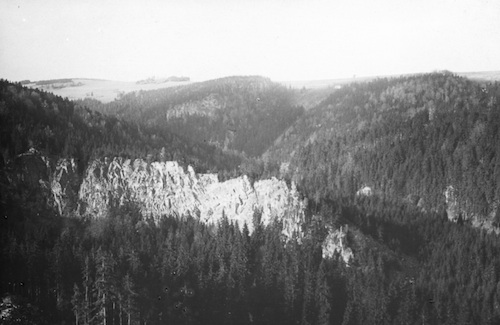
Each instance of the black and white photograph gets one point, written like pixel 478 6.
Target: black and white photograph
pixel 294 162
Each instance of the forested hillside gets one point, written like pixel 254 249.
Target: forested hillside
pixel 244 114
pixel 61 128
pixel 410 138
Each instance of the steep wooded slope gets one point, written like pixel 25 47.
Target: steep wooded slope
pixel 61 128
pixel 245 114
pixel 409 138
pixel 47 143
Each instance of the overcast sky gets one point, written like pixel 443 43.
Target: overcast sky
pixel 283 40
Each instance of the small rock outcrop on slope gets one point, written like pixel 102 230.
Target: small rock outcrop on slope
pixel 207 106
pixel 457 212
pixel 452 209
pixel 365 191
pixel 336 243
pixel 165 188
pixel 64 185
pixel 37 181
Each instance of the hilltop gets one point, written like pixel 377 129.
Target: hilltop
pixel 243 114
pixel 102 90
pixel 106 91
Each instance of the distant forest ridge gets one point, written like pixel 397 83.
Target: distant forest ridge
pixel 325 83
pixel 108 90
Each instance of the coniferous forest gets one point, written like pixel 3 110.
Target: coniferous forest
pixel 408 139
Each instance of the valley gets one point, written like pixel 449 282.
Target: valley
pixel 248 201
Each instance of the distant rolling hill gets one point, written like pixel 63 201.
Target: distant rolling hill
pixel 482 75
pixel 313 91
pixel 339 82
pixel 103 90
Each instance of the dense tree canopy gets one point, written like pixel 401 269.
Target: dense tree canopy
pixel 407 138
pixel 124 269
pixel 61 128
pixel 244 114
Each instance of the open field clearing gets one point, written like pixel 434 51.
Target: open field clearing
pixel 102 90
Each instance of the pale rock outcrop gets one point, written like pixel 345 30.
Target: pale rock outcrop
pixel 207 106
pixel 165 188
pixel 156 188
pixel 364 191
pixel 457 211
pixel 35 179
pixel 336 243
pixel 64 184
pixel 452 209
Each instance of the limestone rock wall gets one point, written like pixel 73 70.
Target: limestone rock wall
pixel 159 189
pixel 165 188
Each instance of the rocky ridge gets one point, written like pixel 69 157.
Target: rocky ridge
pixel 165 188
pixel 157 189
pixel 160 189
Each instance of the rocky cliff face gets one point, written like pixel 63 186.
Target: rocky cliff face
pixel 165 188
pixel 34 179
pixel 157 189
pixel 64 185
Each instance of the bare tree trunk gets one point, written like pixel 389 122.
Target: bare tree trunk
pixel 87 305
pixel 129 312
pixel 113 314
pixel 104 309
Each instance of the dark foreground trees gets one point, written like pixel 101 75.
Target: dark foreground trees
pixel 422 269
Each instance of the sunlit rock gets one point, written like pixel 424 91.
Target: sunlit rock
pixel 32 177
pixel 165 188
pixel 456 212
pixel 364 191
pixel 64 184
pixel 452 209
pixel 336 242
